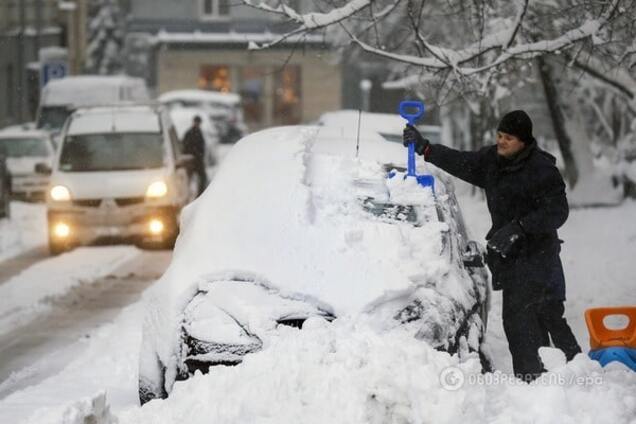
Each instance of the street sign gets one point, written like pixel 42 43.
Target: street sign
pixel 53 70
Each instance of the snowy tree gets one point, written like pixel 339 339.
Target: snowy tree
pixel 105 37
pixel 478 50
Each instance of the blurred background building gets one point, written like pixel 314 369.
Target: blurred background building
pixel 204 44
pixel 27 28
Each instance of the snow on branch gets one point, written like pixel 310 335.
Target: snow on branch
pixel 501 40
pixel 310 21
pixel 439 57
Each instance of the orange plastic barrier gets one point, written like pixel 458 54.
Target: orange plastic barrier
pixel 601 336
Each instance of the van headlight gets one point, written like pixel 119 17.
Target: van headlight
pixel 157 189
pixel 59 193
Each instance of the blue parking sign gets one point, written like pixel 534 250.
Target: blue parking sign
pixel 53 70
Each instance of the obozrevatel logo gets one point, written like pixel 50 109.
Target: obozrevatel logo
pixel 451 378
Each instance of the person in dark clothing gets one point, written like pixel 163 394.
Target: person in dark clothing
pixel 194 144
pixel 526 198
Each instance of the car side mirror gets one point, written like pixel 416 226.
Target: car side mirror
pixel 185 161
pixel 43 168
pixel 473 257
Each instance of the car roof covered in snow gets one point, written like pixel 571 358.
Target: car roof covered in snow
pixel 383 123
pixel 287 209
pixel 20 133
pixel 89 90
pixel 107 119
pixel 230 99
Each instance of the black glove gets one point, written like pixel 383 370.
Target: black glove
pixel 505 238
pixel 410 135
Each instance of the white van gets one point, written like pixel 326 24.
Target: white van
pixel 61 97
pixel 118 174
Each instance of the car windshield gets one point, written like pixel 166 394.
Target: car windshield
pixel 52 118
pixel 111 152
pixel 23 147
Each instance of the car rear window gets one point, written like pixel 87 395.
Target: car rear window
pixel 111 152
pixel 23 147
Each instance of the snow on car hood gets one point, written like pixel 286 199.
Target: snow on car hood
pixel 97 185
pixel 285 207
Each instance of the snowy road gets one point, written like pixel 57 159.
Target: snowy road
pixel 50 336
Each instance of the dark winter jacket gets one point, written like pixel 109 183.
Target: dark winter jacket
pixel 528 189
pixel 194 144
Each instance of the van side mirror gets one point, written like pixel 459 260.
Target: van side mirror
pixel 43 169
pixel 185 161
pixel 473 257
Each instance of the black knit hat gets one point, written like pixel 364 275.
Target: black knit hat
pixel 517 123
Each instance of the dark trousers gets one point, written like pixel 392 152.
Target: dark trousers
pixel 530 321
pixel 199 170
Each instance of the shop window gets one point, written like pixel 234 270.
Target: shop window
pixel 287 96
pixel 215 77
pixel 215 8
pixel 253 93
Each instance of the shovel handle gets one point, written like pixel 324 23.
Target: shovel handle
pixel 412 104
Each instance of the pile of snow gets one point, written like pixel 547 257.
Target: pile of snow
pixel 348 372
pixel 29 294
pixel 24 230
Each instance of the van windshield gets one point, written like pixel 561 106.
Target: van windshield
pixel 111 152
pixel 52 118
pixel 23 147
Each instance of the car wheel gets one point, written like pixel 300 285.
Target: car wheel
pixel 151 376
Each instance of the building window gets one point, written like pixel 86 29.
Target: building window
pixel 215 8
pixel 215 77
pixel 253 94
pixel 287 96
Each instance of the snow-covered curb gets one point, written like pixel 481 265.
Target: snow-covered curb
pixel 25 229
pixel 28 294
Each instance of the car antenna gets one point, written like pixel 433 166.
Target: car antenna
pixel 358 136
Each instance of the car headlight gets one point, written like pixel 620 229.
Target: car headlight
pixel 59 193
pixel 157 189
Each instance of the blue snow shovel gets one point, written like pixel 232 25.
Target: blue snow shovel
pixel 418 108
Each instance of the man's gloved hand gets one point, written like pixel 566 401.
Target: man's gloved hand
pixel 505 238
pixel 411 134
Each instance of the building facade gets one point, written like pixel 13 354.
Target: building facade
pixel 27 27
pixel 204 44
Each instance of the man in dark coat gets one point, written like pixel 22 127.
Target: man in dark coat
pixel 526 199
pixel 194 144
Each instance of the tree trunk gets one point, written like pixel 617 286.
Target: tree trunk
pixel 558 121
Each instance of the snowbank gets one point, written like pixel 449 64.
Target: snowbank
pixel 28 294
pixel 347 372
pixel 24 230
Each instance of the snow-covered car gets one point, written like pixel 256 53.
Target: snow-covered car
pixel 300 225
pixel 118 174
pixel 389 126
pixel 61 97
pixel 224 109
pixel 24 151
pixel 182 119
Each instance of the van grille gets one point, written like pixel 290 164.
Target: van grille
pixel 88 203
pixel 127 201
